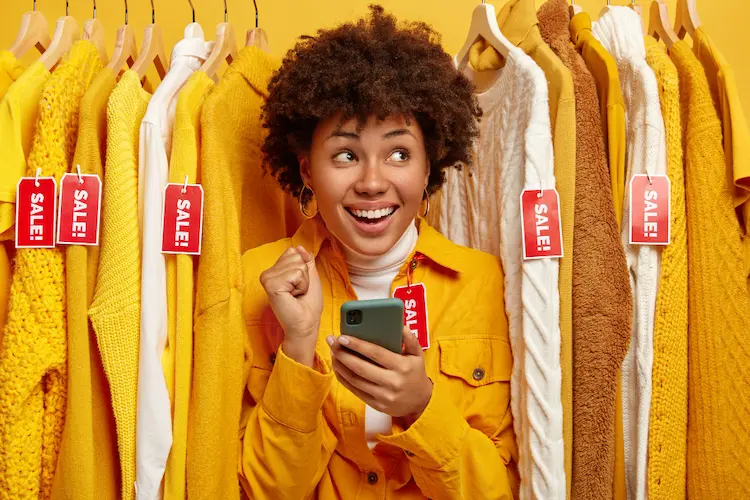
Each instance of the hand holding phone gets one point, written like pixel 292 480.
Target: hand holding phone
pixel 379 321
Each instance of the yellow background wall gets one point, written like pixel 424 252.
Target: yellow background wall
pixel 727 21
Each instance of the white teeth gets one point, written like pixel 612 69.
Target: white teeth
pixel 374 214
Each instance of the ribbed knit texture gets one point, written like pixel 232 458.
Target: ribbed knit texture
pixel 621 32
pixel 667 437
pixel 718 458
pixel 231 135
pixel 89 466
pixel 33 370
pixel 602 302
pixel 115 310
pixel 184 161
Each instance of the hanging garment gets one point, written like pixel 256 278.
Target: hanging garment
pixel 602 301
pixel 116 308
pixel 604 70
pixel 721 81
pixel 718 456
pixel 10 71
pixel 514 152
pixel 231 137
pixel 317 449
pixel 518 22
pixel 667 433
pixel 621 33
pixel 154 418
pixel 33 360
pixel 89 466
pixel 184 161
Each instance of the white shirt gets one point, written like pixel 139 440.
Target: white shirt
pixel 372 278
pixel 154 418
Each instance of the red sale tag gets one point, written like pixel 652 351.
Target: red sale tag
pixel 414 298
pixel 182 219
pixel 80 209
pixel 540 222
pixel 650 207
pixel 36 202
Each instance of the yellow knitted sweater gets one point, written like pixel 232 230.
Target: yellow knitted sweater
pixel 184 162
pixel 667 435
pixel 116 308
pixel 718 456
pixel 33 371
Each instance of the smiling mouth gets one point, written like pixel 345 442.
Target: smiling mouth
pixel 372 216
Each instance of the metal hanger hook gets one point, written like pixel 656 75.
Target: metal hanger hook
pixel 226 15
pixel 34 5
pixel 94 9
pixel 66 8
pixel 153 13
pixel 256 13
pixel 192 8
pixel 126 11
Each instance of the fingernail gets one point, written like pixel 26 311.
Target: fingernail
pixel 330 340
pixel 343 340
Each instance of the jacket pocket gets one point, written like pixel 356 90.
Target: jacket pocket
pixel 476 361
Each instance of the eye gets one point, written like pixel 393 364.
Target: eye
pixel 399 156
pixel 344 157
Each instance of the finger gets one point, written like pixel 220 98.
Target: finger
pixel 300 278
pixel 363 368
pixel 366 398
pixel 342 371
pixel 379 355
pixel 308 259
pixel 411 344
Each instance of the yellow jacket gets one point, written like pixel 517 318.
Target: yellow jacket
pixel 667 434
pixel 10 70
pixel 302 433
pixel 33 361
pixel 115 311
pixel 184 162
pixel 237 192
pixel 518 22
pixel 604 68
pixel 718 301
pixel 89 466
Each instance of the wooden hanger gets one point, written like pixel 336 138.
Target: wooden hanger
pixel 126 50
pixel 639 10
pixel 66 34
pixel 34 32
pixel 225 46
pixel 686 20
pixel 152 51
pixel 483 26
pixel 605 9
pixel 574 8
pixel 93 30
pixel 256 37
pixel 659 26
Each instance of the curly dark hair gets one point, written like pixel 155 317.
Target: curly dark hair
pixel 374 67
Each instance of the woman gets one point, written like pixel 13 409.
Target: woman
pixel 362 121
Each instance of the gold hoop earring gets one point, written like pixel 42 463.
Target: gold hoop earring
pixel 302 204
pixel 427 210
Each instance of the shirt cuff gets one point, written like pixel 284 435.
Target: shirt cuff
pixel 295 393
pixel 435 439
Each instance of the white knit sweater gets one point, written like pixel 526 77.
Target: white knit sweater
pixel 620 31
pixel 481 208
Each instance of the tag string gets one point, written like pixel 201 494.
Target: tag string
pixel 80 178
pixel 184 186
pixel 36 177
pixel 413 263
pixel 648 176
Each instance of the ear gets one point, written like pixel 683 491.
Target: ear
pixel 427 176
pixel 304 168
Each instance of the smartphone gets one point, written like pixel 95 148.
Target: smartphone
pixel 380 321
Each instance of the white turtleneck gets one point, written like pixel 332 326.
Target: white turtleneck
pixel 371 278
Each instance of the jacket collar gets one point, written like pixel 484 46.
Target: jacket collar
pixel 313 235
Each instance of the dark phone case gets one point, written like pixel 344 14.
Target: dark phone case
pixel 382 322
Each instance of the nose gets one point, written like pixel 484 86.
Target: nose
pixel 372 180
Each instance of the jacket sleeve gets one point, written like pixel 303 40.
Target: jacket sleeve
pixel 286 443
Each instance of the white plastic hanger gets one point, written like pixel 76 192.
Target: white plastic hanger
pixel 257 37
pixel 93 30
pixel 687 20
pixel 483 26
pixel 126 51
pixel 34 32
pixel 225 46
pixel 152 51
pixel 66 33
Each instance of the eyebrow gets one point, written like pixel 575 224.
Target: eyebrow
pixel 341 133
pixel 397 133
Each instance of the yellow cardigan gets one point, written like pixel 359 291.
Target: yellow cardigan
pixel 236 193
pixel 89 467
pixel 116 308
pixel 667 434
pixel 184 161
pixel 718 301
pixel 33 362
pixel 518 22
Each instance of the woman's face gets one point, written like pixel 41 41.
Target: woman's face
pixel 368 184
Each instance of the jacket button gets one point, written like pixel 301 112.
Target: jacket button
pixel 372 478
pixel 413 264
pixel 272 357
pixel 408 453
pixel 478 374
